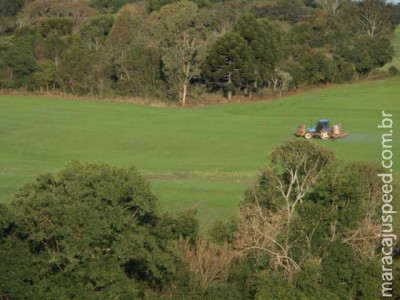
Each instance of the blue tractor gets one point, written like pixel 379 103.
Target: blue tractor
pixel 323 130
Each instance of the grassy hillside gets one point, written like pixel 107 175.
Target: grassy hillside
pixel 201 158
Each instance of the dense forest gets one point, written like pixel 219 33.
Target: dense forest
pixel 188 51
pixel 308 229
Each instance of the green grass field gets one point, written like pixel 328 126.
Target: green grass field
pixel 200 158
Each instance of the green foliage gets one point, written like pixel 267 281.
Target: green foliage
pixel 45 73
pixel 97 30
pixel 367 53
pixel 285 10
pixel 89 231
pixel 19 62
pixel 304 45
pixel 223 231
pixel 271 287
pixel 142 76
pixel 350 191
pixel 393 71
pixel 53 37
pixel 122 33
pixel 308 281
pixel 302 155
pixel 182 31
pixel 230 63
pixel 108 6
pixel 6 221
pixel 348 278
pixel 181 225
pixel 132 63
pixel 10 7
pixel 74 72
pixel 55 26
pixel 315 209
pixel 261 37
pixel 154 5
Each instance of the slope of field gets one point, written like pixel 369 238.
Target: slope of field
pixel 199 158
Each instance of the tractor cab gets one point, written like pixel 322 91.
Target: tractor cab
pixel 323 124
pixel 322 130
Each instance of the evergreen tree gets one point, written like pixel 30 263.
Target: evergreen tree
pixel 261 37
pixel 230 64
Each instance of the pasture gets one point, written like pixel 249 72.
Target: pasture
pixel 201 158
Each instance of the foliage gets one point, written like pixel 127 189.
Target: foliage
pixel 108 6
pixel 97 30
pixel 74 72
pixel 275 287
pixel 367 53
pixel 393 71
pixel 182 32
pixel 262 38
pixel 308 208
pixel 230 63
pixel 290 44
pixel 349 279
pixel 44 75
pixel 10 8
pixel 89 230
pixel 19 63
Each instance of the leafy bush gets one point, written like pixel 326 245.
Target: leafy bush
pixel 90 230
pixel 393 71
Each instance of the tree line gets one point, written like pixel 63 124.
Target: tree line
pixel 163 49
pixel 308 229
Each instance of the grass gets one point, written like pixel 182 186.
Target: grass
pixel 195 158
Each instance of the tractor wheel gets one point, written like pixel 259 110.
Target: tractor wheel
pixel 324 134
pixel 308 136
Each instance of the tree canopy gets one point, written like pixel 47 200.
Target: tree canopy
pixel 166 50
pixel 90 230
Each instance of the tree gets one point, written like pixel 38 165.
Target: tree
pixel 78 11
pixel 132 55
pixel 261 37
pixel 366 53
pixel 230 63
pixel 210 262
pixel 19 62
pixel 10 8
pixel 348 198
pixel 108 6
pixel 309 208
pixel 268 214
pixel 89 231
pixel 74 72
pixel 128 31
pixel 127 23
pixel 8 12
pixel 54 36
pixel 374 18
pixel 348 277
pixel 275 287
pixel 329 6
pixel 45 74
pixel 97 30
pixel 182 32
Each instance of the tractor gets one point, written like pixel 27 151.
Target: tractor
pixel 323 130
